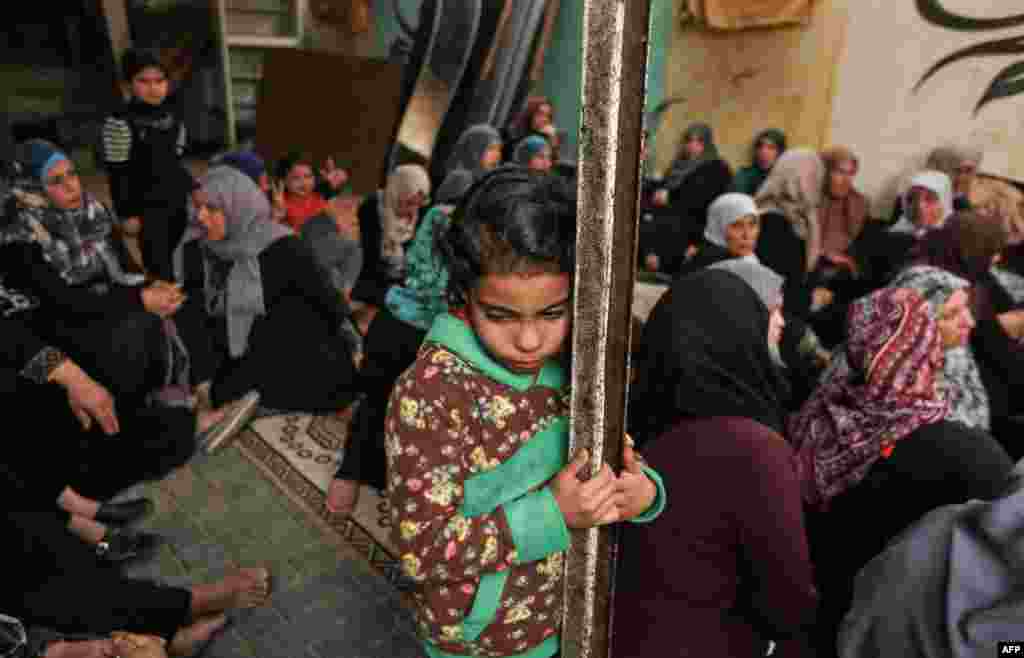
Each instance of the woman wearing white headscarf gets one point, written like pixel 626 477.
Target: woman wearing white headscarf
pixel 278 321
pixel 732 231
pixel 927 204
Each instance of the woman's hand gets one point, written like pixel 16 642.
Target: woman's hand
pixel 162 299
pixel 344 210
pixel 1012 323
pixel 843 261
pixel 587 504
pixel 88 399
pixel 637 490
pixel 334 175
pixel 820 298
pixel 279 207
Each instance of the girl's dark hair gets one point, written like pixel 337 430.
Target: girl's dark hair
pixel 512 220
pixel 285 164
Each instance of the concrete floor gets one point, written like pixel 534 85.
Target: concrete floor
pixel 220 511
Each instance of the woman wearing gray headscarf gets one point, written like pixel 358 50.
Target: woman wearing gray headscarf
pixel 477 152
pixel 278 320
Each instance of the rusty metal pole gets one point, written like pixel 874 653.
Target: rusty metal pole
pixel 615 37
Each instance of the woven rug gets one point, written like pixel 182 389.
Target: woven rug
pixel 300 453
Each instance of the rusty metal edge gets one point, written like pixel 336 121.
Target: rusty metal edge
pixel 615 36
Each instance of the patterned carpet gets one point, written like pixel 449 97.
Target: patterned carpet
pixel 300 454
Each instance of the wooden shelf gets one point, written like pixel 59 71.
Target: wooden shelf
pixel 248 41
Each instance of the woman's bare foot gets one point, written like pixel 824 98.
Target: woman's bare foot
pixel 245 588
pixel 85 649
pixel 207 418
pixel 342 497
pixel 190 640
pixel 90 531
pixel 75 503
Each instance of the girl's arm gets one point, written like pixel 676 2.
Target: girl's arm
pixel 117 153
pixel 428 429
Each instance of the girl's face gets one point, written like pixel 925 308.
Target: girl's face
pixel 541 161
pixel 63 186
pixel 150 86
pixel 210 217
pixel 694 147
pixel 741 236
pixel 927 207
pixel 767 154
pixel 542 118
pixel 955 320
pixel 300 180
pixel 522 319
pixel 840 179
pixel 491 157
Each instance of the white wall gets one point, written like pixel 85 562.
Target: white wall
pixel 888 47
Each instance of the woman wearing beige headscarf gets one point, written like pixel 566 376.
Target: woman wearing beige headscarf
pixel 387 221
pixel 844 210
pixel 791 241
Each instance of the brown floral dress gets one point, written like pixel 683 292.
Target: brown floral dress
pixel 471 447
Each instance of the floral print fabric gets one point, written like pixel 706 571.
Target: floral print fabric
pixel 448 422
pixel 882 389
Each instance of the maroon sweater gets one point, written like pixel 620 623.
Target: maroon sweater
pixel 725 568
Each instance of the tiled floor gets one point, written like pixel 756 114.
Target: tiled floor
pixel 219 511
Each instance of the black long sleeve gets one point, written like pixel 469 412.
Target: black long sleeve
pixel 779 249
pixel 373 283
pixel 20 344
pixel 289 268
pixel 25 268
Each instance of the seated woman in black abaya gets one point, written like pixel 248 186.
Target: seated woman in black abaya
pixel 277 322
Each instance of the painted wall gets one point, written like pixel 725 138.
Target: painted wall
pixel 889 46
pixel 848 78
pixel 563 63
pixel 743 82
pixel 562 77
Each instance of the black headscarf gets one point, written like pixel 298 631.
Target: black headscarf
pixel 704 352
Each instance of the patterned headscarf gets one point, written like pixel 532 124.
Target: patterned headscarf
pixel 881 388
pixel 795 188
pixel 968 397
pixel 77 243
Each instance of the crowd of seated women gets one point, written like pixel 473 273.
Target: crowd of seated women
pixel 812 383
pixel 815 488
pixel 284 292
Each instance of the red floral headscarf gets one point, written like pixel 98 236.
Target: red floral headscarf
pixel 880 390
